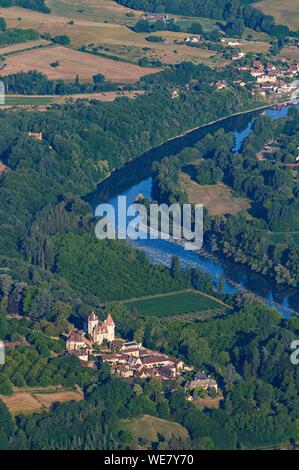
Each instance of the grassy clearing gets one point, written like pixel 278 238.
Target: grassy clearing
pixel 168 305
pixel 284 12
pixel 218 198
pixel 90 10
pixel 148 427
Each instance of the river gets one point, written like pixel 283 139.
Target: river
pixel 135 177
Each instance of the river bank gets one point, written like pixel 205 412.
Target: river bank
pixel 135 177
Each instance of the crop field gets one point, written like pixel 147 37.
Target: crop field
pixel 166 305
pixel 27 101
pixel 218 198
pixel 284 11
pixel 93 10
pixel 15 48
pixel 72 63
pixel 35 400
pixel 109 31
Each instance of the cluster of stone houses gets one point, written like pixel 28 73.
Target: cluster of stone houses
pixel 129 360
pixel 132 360
pixel 270 79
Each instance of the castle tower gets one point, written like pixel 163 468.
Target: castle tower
pixel 93 322
pixel 110 327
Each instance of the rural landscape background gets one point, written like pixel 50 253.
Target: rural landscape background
pixel 118 345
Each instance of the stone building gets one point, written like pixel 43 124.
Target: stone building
pixel 99 330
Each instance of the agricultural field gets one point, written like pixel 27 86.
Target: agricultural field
pixel 15 48
pixel 290 53
pixel 34 400
pixel 173 304
pixel 149 427
pixel 90 10
pixel 284 12
pixel 71 63
pixel 218 198
pixel 27 101
pixel 112 33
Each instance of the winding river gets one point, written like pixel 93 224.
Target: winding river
pixel 135 177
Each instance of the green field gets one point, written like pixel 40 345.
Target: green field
pixel 167 305
pixel 26 101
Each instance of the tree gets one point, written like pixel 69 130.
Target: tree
pixel 3 25
pixel 195 28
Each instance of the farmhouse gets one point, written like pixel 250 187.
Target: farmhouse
pixel 221 84
pixel 203 381
pixel 193 39
pixel 36 135
pixel 157 17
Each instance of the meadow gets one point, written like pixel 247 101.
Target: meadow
pixel 166 305
pixel 149 428
pixel 217 198
pixel 284 12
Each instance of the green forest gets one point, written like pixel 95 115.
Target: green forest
pixel 269 184
pixel 238 14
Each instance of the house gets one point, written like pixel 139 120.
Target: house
pixel 167 372
pixel 243 68
pixel 82 354
pixel 175 94
pixel 240 55
pixel 156 361
pixel 266 78
pixel 193 39
pixel 270 67
pixel 123 371
pixel 113 358
pixel 233 43
pixel 240 83
pixel 157 17
pixel 203 381
pixel 36 135
pixel 293 70
pixel 221 84
pixel 75 341
pixel 100 331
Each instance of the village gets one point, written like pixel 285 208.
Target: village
pixel 97 344
pixel 263 80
